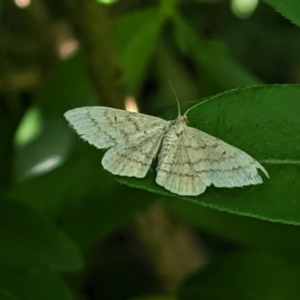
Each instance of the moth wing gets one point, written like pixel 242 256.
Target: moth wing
pixel 219 163
pixel 105 127
pixel 175 171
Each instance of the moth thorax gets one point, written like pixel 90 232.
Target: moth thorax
pixel 178 126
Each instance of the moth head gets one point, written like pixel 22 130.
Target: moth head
pixel 178 105
pixel 183 119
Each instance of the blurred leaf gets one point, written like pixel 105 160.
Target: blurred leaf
pixel 50 149
pixel 156 298
pixel 92 210
pixel 29 128
pixel 6 295
pixel 102 213
pixel 66 87
pixel 212 58
pixel 129 270
pixel 275 238
pixel 55 189
pixel 289 9
pixel 243 9
pixel 27 238
pixel 136 36
pixel 107 1
pixel 33 284
pixel 245 276
pixel 263 122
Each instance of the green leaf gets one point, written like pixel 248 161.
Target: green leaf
pixel 95 208
pixel 96 217
pixel 65 88
pixel 275 238
pixel 211 58
pixel 263 122
pixel 136 36
pixel 28 239
pixel 33 284
pixel 82 169
pixel 29 127
pixel 50 149
pixel 245 276
pixel 289 9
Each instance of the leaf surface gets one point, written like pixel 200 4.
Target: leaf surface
pixel 288 8
pixel 264 122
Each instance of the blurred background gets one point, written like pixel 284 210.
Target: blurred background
pixel 68 230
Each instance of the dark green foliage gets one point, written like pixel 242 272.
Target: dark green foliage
pixel 70 230
pixel 244 276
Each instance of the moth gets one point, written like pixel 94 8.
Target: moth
pixel 189 160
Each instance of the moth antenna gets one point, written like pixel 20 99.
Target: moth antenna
pixel 202 102
pixel 178 105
